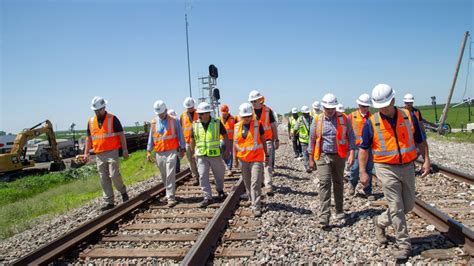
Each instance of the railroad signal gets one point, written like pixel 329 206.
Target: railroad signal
pixel 213 71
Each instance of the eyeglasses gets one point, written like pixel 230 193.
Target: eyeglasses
pixel 254 101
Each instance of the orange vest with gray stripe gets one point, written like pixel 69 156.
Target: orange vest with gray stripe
pixel 187 125
pixel 168 140
pixel 357 122
pixel 265 120
pixel 229 126
pixel 393 147
pixel 342 141
pixel 104 138
pixel 249 149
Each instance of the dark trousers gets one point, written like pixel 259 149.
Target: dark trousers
pixel 296 145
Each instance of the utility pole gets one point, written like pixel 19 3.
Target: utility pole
pixel 444 115
pixel 187 48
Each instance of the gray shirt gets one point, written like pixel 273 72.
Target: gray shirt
pixel 328 137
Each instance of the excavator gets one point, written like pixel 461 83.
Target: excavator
pixel 16 161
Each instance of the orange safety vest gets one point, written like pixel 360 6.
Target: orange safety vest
pixel 265 120
pixel 391 147
pixel 187 125
pixel 416 112
pixel 357 122
pixel 342 141
pixel 249 149
pixel 229 126
pixel 167 141
pixel 104 138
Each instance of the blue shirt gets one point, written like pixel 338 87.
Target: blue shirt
pixel 162 125
pixel 368 130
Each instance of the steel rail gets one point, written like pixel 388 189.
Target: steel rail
pixel 453 173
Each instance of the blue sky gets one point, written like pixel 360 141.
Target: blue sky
pixel 57 55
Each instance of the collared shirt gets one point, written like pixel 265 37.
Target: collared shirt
pixel 328 138
pixel 306 122
pixel 162 125
pixel 368 130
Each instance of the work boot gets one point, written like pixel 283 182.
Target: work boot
pixel 402 253
pixel 340 216
pixel 244 197
pixel 370 197
pixel 380 232
pixel 107 207
pixel 171 203
pixel 125 197
pixel 309 170
pixel 204 203
pixel 221 195
pixel 324 221
pixel 196 182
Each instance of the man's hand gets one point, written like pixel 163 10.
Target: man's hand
pixel 148 156
pixel 311 162
pixel 426 168
pixel 350 159
pixel 125 154
pixel 267 160
pixel 181 153
pixel 277 144
pixel 364 178
pixel 85 157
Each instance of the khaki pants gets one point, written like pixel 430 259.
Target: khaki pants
pixel 398 184
pixel 218 169
pixel 252 173
pixel 192 160
pixel 330 172
pixel 109 172
pixel 166 162
pixel 268 180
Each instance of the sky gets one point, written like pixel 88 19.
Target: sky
pixel 55 56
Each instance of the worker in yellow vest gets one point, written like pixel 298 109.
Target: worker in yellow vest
pixel 229 122
pixel 187 118
pixel 292 134
pixel 393 135
pixel 105 135
pixel 302 128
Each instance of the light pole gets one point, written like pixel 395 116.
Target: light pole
pixel 433 102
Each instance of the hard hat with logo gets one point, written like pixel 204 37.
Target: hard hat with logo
pixel 245 109
pixel 364 99
pixel 316 105
pixel 305 109
pixel 340 108
pixel 98 103
pixel 329 101
pixel 189 102
pixel 225 109
pixel 204 107
pixel 172 112
pixel 294 110
pixel 408 98
pixel 254 95
pixel 382 95
pixel 160 107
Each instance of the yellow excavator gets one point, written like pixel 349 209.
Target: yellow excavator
pixel 16 160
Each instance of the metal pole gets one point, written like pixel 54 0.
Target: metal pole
pixel 436 114
pixel 444 115
pixel 187 48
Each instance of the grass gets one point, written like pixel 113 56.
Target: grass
pixel 25 201
pixel 457 137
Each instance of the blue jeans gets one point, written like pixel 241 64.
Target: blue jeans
pixel 354 178
pixel 229 161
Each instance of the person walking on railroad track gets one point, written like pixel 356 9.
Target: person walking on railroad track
pixel 229 122
pixel 331 141
pixel 292 134
pixel 206 142
pixel 249 137
pixel 409 100
pixel 358 119
pixel 105 136
pixel 393 135
pixel 166 139
pixel 187 118
pixel 301 127
pixel 265 115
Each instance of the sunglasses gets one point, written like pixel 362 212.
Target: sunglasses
pixel 254 101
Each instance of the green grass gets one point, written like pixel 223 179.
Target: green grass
pixel 25 201
pixel 457 116
pixel 457 137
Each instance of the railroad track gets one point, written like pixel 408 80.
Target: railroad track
pixel 144 227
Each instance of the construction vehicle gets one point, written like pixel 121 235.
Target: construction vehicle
pixel 16 160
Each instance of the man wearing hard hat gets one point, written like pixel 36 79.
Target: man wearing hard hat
pixel 265 115
pixel 229 122
pixel 187 118
pixel 292 133
pixel 302 128
pixel 331 142
pixel 316 109
pixel 205 138
pixel 166 139
pixel 393 135
pixel 409 100
pixel 249 137
pixel 105 136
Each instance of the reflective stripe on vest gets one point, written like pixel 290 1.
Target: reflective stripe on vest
pixel 249 149
pixel 265 122
pixel 255 139
pixel 229 126
pixel 207 141
pixel 187 125
pixel 104 139
pixel 109 127
pixel 341 136
pixel 303 130
pixel 168 140
pixel 293 122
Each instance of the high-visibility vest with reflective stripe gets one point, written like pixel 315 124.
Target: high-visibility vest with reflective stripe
pixel 342 141
pixel 292 123
pixel 249 149
pixel 393 147
pixel 207 142
pixel 357 122
pixel 229 126
pixel 187 125
pixel 265 120
pixel 104 138
pixel 314 113
pixel 169 139
pixel 303 130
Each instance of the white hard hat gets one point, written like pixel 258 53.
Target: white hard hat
pixel 189 102
pixel 364 99
pixel 159 107
pixel 340 108
pixel 98 103
pixel 204 107
pixel 254 95
pixel 171 112
pixel 316 105
pixel 382 95
pixel 305 109
pixel 294 110
pixel 408 98
pixel 329 101
pixel 245 109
